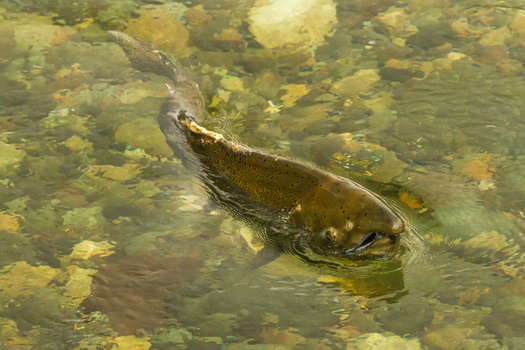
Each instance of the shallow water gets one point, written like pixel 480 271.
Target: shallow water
pixel 107 241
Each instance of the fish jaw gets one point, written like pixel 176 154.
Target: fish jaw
pixel 347 220
pixel 376 232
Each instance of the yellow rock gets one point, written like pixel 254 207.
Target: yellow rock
pixel 129 342
pixel 293 93
pixel 462 28
pixel 119 173
pixel 379 101
pixel 306 23
pixel 8 222
pixel 495 37
pixel 398 64
pixel 455 56
pixel 32 30
pixel 77 144
pixel 11 339
pixel 282 337
pixel 442 64
pixel 488 240
pixel 396 22
pixel 518 23
pixel 356 84
pixel 162 26
pixel 78 286
pixel 510 66
pixel 399 42
pixel 10 156
pixel 382 341
pixel 87 249
pixel 232 83
pixel 426 67
pixel 446 338
pixel 228 35
pixel 132 96
pixel 22 279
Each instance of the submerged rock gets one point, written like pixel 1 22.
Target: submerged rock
pixel 396 23
pixel 10 157
pixel 386 341
pixel 356 84
pixel 162 26
pixel 282 22
pixel 84 218
pixel 145 134
pixel 140 291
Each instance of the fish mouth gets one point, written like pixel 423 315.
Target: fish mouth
pixel 366 243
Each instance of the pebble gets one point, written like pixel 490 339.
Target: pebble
pixel 382 341
pixel 356 84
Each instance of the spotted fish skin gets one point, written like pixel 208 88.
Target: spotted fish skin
pixel 315 199
pixel 342 216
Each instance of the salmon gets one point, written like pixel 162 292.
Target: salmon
pixel 343 218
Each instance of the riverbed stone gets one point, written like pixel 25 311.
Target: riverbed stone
pixel 145 134
pixel 356 84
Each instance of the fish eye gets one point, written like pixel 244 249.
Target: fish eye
pixel 330 235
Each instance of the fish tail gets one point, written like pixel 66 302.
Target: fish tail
pixel 143 57
pixel 185 97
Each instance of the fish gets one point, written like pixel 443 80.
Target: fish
pixel 340 217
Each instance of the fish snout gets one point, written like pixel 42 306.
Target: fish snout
pixel 397 226
pixel 389 222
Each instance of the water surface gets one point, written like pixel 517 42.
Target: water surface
pixel 106 240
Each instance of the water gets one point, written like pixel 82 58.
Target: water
pixel 106 240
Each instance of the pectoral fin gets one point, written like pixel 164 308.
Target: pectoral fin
pixel 266 255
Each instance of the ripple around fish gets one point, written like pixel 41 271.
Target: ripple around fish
pixel 414 243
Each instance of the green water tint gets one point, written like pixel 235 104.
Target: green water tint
pixel 93 215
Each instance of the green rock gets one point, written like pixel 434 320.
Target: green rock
pixel 84 217
pixel 10 157
pixel 46 167
pixel 144 243
pixel 145 134
pixel 467 219
pixel 177 336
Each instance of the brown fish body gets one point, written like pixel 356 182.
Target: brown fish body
pixel 342 215
pixel 335 209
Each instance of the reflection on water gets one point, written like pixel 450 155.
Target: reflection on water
pixel 107 241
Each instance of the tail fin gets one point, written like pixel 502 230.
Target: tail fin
pixel 184 96
pixel 143 57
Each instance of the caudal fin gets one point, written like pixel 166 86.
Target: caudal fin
pixel 143 57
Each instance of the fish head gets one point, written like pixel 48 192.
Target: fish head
pixel 363 226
